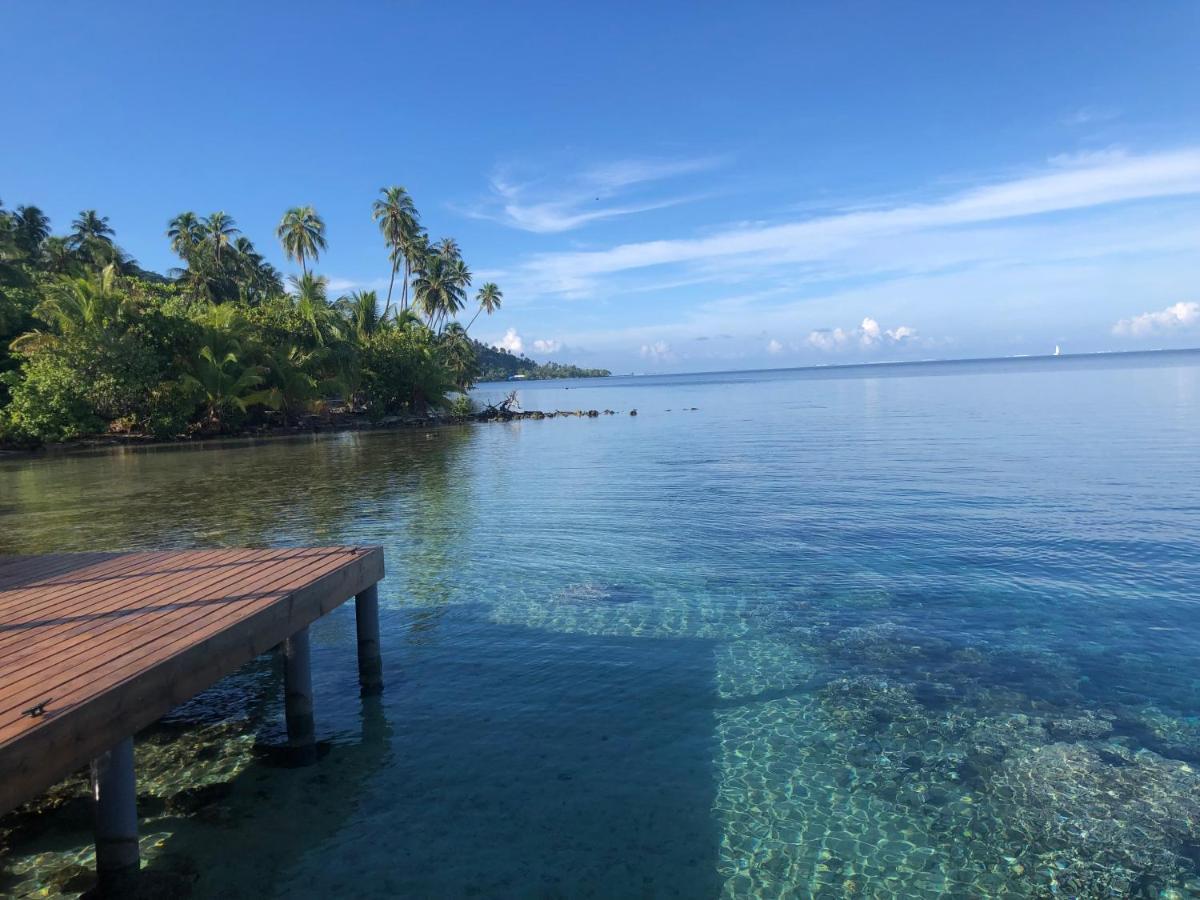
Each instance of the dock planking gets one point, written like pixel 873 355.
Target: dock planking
pixel 96 646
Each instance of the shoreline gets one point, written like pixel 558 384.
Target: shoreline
pixel 329 427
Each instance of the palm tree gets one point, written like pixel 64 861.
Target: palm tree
pixel 489 298
pixel 360 309
pixel 92 237
pixel 291 388
pixel 57 256
pixel 91 225
pixel 78 305
pixel 415 247
pixel 398 219
pixel 439 289
pixel 185 232
pixel 460 280
pixel 447 247
pixel 32 229
pixel 459 355
pixel 258 278
pixel 313 308
pixel 221 382
pixel 302 233
pixel 219 230
pixel 10 251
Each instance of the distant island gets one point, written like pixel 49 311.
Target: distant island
pixel 92 344
pixel 498 364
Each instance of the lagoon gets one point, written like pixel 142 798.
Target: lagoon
pixel 921 630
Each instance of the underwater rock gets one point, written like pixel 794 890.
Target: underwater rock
pixel 866 703
pixel 990 740
pixel 194 799
pixel 1088 727
pixel 1173 736
pixel 884 642
pixel 1102 829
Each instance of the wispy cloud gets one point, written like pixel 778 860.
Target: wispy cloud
pixel 1178 317
pixel 338 285
pixel 1067 185
pixel 1091 115
pixel 601 192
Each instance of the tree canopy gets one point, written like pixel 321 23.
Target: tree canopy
pixel 92 343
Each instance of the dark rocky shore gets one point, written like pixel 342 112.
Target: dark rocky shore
pixel 326 423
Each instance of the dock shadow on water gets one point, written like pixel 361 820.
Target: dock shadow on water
pixel 523 764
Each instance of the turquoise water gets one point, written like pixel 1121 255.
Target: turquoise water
pixel 910 631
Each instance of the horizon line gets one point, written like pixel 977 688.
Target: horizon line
pixel 825 367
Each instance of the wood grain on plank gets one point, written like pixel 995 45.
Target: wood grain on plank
pixel 114 641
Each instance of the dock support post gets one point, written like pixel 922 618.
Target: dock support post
pixel 298 702
pixel 114 789
pixel 370 662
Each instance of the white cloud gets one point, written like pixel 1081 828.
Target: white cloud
pixel 511 342
pixel 1091 115
pixel 774 347
pixel 547 345
pixel 659 351
pixel 829 339
pixel 338 285
pixel 1068 184
pixel 1173 318
pixel 583 196
pixel 868 335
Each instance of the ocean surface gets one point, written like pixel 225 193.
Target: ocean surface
pixel 925 630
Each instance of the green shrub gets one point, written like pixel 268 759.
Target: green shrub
pixel 48 402
pixel 462 406
pixel 401 371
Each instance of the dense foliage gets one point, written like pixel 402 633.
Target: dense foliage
pixel 90 342
pixel 498 364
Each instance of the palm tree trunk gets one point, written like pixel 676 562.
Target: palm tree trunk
pixel 387 306
pixel 473 318
pixel 404 290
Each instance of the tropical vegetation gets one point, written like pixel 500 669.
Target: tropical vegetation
pixel 92 343
pixel 498 364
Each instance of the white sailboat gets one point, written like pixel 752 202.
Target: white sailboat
pixel 1057 350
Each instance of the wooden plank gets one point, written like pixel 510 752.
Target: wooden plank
pixel 69 588
pixel 117 691
pixel 37 626
pixel 52 566
pixel 88 589
pixel 49 673
pixel 153 592
pixel 81 672
pixel 100 660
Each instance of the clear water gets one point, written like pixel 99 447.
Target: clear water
pixel 920 631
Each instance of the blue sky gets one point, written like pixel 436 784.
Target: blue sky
pixel 666 186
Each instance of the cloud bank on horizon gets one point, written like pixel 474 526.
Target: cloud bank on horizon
pixel 1013 263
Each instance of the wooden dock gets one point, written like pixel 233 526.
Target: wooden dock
pixel 96 646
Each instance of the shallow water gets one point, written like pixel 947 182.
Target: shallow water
pixel 910 631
